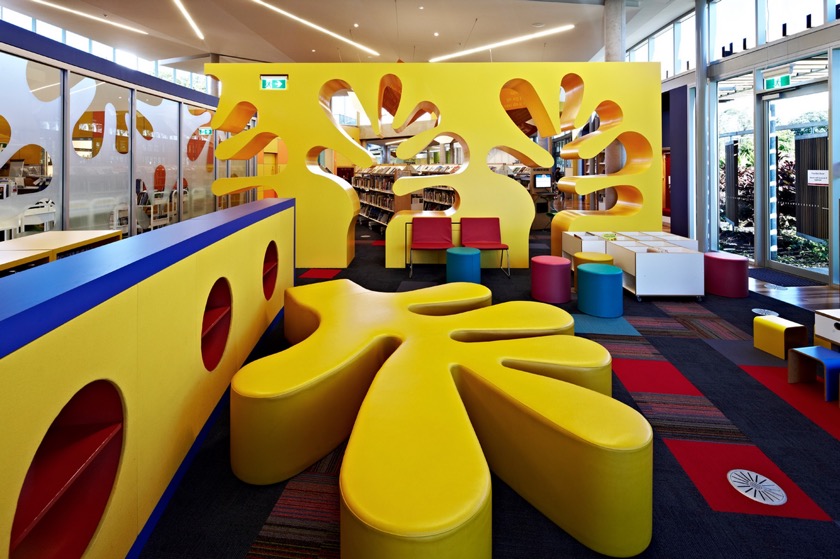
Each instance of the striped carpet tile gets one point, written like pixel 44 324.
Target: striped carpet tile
pixel 304 523
pixel 626 347
pixel 679 308
pixel 658 326
pixel 687 417
pixel 714 328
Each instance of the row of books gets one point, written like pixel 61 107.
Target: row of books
pixel 376 214
pixel 385 201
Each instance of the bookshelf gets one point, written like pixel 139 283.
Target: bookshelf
pixel 375 188
pixel 438 197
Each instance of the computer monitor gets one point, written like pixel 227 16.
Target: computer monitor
pixel 542 180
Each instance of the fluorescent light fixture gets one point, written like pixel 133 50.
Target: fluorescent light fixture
pixel 82 14
pixel 513 41
pixel 189 18
pixel 316 27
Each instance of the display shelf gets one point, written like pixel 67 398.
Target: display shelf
pixel 64 455
pixel 71 477
pixel 269 271
pixel 215 324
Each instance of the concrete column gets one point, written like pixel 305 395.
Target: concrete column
pixel 213 88
pixel 614 49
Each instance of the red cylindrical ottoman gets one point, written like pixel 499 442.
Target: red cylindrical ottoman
pixel 551 279
pixel 726 274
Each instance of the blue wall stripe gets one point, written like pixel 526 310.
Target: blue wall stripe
pixel 27 40
pixel 43 298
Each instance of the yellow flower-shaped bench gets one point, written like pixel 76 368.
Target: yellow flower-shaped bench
pixel 432 387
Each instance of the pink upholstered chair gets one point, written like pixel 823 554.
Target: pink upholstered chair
pixel 485 233
pixel 429 233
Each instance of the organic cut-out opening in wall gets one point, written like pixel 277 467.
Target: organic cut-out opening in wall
pixel 269 271
pixel 215 325
pixel 71 477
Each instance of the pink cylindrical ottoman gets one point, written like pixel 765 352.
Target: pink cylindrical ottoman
pixel 726 274
pixel 551 279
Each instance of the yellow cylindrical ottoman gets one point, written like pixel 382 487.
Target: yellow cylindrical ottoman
pixel 589 258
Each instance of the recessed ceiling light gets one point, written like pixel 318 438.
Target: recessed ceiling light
pixel 316 27
pixel 422 8
pixel 313 50
pixel 189 19
pixel 437 34
pixel 506 42
pixel 538 25
pixel 355 25
pixel 95 18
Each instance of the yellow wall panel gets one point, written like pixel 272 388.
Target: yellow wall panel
pixel 469 102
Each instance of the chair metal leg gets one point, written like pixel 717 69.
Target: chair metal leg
pixel 410 263
pixel 501 258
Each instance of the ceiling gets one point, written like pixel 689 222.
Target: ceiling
pixel 244 31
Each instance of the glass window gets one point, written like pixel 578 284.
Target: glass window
pixel 197 161
pixel 166 73
pixel 126 59
pixel 99 161
pixel 77 41
pixel 686 49
pixel 146 66
pixel 48 30
pixel 182 78
pixel 102 50
pixel 16 18
pixel 30 139
pixel 736 162
pixel 732 24
pixel 663 52
pixel 786 17
pixel 199 82
pixel 156 161
pixel 639 53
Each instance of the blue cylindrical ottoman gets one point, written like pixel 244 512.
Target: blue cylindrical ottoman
pixel 600 292
pixel 463 264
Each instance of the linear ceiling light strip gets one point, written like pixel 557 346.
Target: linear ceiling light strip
pixel 94 18
pixel 189 18
pixel 317 27
pixel 504 43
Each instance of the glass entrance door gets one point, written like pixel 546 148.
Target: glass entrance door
pixel 797 159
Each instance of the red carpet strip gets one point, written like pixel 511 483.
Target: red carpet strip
pixel 807 398
pixel 708 463
pixel 706 443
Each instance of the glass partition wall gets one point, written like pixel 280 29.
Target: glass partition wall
pixel 30 147
pixel 80 152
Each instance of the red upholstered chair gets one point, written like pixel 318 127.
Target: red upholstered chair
pixel 485 233
pixel 429 233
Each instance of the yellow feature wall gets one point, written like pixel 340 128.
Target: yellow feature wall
pixel 147 342
pixel 468 101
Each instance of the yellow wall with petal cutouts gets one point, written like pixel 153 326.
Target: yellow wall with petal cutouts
pixel 469 102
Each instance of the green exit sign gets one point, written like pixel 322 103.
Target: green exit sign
pixel 274 83
pixel 205 131
pixel 778 81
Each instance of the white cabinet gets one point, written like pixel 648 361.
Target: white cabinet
pixel 657 268
pixel 655 263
